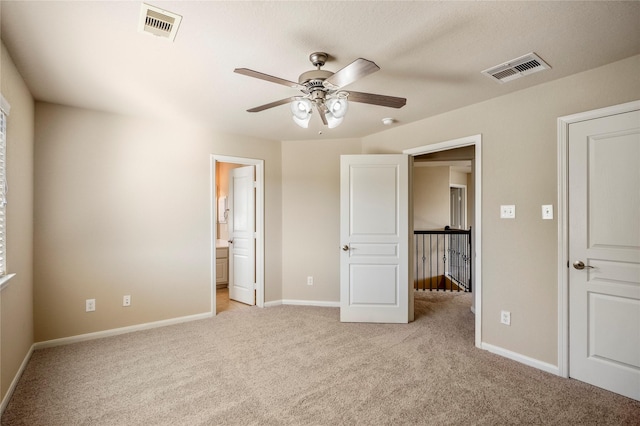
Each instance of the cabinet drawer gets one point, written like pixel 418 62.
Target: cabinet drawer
pixel 222 253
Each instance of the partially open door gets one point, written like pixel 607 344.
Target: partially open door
pixel 375 227
pixel 242 250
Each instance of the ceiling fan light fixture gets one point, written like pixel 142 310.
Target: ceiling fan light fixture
pixel 304 123
pixel 301 108
pixel 333 121
pixel 338 107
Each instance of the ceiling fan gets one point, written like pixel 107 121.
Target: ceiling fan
pixel 324 90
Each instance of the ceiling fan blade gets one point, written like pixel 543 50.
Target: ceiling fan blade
pixel 267 77
pixel 382 100
pixel 352 72
pixel 271 105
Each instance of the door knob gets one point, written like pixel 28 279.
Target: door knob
pixel 345 248
pixel 579 265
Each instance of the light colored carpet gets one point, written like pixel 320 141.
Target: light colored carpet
pixel 301 366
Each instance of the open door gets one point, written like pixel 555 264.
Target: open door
pixel 375 225
pixel 242 247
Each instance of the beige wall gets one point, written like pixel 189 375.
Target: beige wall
pixel 519 162
pixel 123 207
pixel 311 222
pixel 457 178
pixel 16 310
pixel 430 197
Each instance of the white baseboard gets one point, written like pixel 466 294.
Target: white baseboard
pixel 321 303
pixel 531 362
pixel 117 331
pixel 14 382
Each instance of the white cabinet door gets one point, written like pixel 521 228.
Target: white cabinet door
pixel 374 234
pixel 242 250
pixel 604 236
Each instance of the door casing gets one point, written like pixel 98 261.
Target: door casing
pixel 476 142
pixel 259 167
pixel 563 222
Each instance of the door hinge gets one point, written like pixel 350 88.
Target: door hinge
pixel 255 286
pixel 255 184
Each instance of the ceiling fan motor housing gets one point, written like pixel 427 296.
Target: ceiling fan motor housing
pixel 318 58
pixel 314 76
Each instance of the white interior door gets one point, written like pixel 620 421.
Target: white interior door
pixel 604 250
pixel 374 233
pixel 242 248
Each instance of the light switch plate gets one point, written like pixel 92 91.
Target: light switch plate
pixel 508 212
pixel 547 211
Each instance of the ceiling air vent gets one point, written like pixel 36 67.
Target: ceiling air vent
pixel 158 22
pixel 516 68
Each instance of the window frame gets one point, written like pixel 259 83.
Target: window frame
pixel 4 115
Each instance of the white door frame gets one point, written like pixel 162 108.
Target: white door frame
pixel 259 165
pixel 563 222
pixel 476 142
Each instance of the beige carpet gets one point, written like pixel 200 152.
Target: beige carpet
pixel 294 365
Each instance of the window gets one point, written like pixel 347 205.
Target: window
pixel 4 112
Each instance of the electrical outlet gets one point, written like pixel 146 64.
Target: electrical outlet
pixel 90 305
pixel 309 280
pixel 508 212
pixel 505 317
pixel 126 300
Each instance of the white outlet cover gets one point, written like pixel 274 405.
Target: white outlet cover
pixel 547 211
pixel 505 317
pixel 90 305
pixel 508 211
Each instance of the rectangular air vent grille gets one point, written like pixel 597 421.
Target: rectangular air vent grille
pixel 158 22
pixel 516 68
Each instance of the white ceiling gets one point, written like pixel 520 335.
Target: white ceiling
pixel 90 55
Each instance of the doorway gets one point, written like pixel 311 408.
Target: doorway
pixel 474 145
pixel 217 215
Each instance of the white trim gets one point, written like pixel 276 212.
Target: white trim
pixel 122 330
pixel 296 302
pixel 476 142
pixel 563 221
pixel 443 146
pixel 321 303
pixel 260 261
pixel 16 379
pixel 4 281
pixel 531 362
